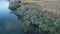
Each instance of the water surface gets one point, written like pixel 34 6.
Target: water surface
pixel 9 23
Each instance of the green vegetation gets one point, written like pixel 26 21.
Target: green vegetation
pixel 31 15
pixel 34 16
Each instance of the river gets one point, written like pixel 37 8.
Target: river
pixel 9 23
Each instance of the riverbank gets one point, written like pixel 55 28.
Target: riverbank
pixel 41 18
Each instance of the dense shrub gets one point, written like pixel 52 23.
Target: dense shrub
pixel 34 16
pixel 14 4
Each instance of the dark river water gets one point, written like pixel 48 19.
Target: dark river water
pixel 9 23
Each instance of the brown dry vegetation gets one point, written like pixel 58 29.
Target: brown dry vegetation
pixel 48 7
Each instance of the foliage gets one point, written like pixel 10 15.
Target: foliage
pixel 34 16
pixel 14 4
